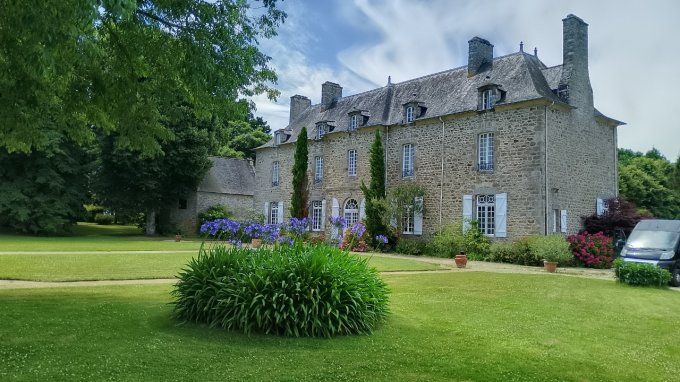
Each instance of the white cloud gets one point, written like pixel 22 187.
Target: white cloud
pixel 632 55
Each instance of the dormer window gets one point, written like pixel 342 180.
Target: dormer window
pixel 410 114
pixel 487 99
pixel 320 130
pixel 279 138
pixel 353 122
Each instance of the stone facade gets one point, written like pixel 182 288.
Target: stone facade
pixel 554 154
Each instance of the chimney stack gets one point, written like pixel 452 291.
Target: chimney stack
pixel 330 93
pixel 480 56
pixel 298 104
pixel 574 84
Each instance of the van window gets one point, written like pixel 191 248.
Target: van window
pixel 653 239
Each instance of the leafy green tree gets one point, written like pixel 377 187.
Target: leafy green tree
pixel 375 192
pixel 70 66
pixel 646 181
pixel 298 203
pixel 43 192
pixel 129 183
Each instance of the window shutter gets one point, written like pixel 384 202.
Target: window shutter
pixel 418 215
pixel 362 209
pixel 467 211
pixel 323 214
pixel 563 220
pixel 600 207
pixel 266 212
pixel 280 212
pixel 335 212
pixel 501 218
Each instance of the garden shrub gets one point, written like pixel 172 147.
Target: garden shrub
pixel 553 248
pixel 91 210
pixel 451 240
pixel 354 238
pixel 518 252
pixel 641 274
pixel 412 247
pixel 104 219
pixel 594 251
pixel 297 290
pixel 215 212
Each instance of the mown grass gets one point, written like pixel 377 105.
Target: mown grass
pixel 122 266
pixel 92 237
pixel 443 327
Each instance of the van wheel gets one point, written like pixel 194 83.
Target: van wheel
pixel 675 278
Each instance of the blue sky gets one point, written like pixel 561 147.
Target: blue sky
pixel 358 43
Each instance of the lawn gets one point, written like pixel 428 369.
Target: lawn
pixel 120 266
pixel 450 326
pixel 92 237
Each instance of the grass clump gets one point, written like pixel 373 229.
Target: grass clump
pixel 553 248
pixel 299 291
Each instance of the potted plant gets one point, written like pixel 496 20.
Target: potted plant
pixel 461 260
pixel 553 249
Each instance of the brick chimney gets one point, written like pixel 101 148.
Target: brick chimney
pixel 574 84
pixel 330 92
pixel 480 56
pixel 298 104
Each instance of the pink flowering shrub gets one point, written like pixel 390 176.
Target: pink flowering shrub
pixel 592 251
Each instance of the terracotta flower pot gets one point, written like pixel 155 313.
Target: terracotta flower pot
pixel 178 238
pixel 550 266
pixel 255 243
pixel 461 261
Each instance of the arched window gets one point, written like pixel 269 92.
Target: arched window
pixel 351 212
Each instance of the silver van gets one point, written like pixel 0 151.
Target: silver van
pixel 655 242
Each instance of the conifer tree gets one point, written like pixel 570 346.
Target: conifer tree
pixel 298 204
pixel 375 193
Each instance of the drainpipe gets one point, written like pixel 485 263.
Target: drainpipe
pixel 545 177
pixel 387 139
pixel 441 177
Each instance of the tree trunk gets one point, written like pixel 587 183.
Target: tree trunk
pixel 151 223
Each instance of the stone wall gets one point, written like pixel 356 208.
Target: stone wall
pixel 187 219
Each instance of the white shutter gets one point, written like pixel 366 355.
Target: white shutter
pixel 362 209
pixel 393 221
pixel 280 212
pixel 563 221
pixel 501 218
pixel 323 214
pixel 266 212
pixel 335 212
pixel 467 212
pixel 600 207
pixel 418 215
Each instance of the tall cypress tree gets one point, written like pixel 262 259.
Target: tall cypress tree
pixel 298 204
pixel 375 193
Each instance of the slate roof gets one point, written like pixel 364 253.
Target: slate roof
pixel 229 176
pixel 522 76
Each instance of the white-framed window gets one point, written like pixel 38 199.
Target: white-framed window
pixel 276 173
pixel 486 213
pixel 487 99
pixel 353 122
pixel 317 213
pixel 485 150
pixel 320 131
pixel 279 138
pixel 407 160
pixel 318 169
pixel 410 114
pixel 351 212
pixel 274 213
pixel 408 220
pixel 352 162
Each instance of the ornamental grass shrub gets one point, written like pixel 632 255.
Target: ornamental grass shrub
pixel 553 248
pixel 299 290
pixel 641 274
pixel 452 239
pixel 517 252
pixel 592 250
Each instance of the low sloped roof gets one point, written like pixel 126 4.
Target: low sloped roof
pixel 229 176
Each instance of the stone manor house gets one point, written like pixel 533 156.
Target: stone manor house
pixel 508 141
